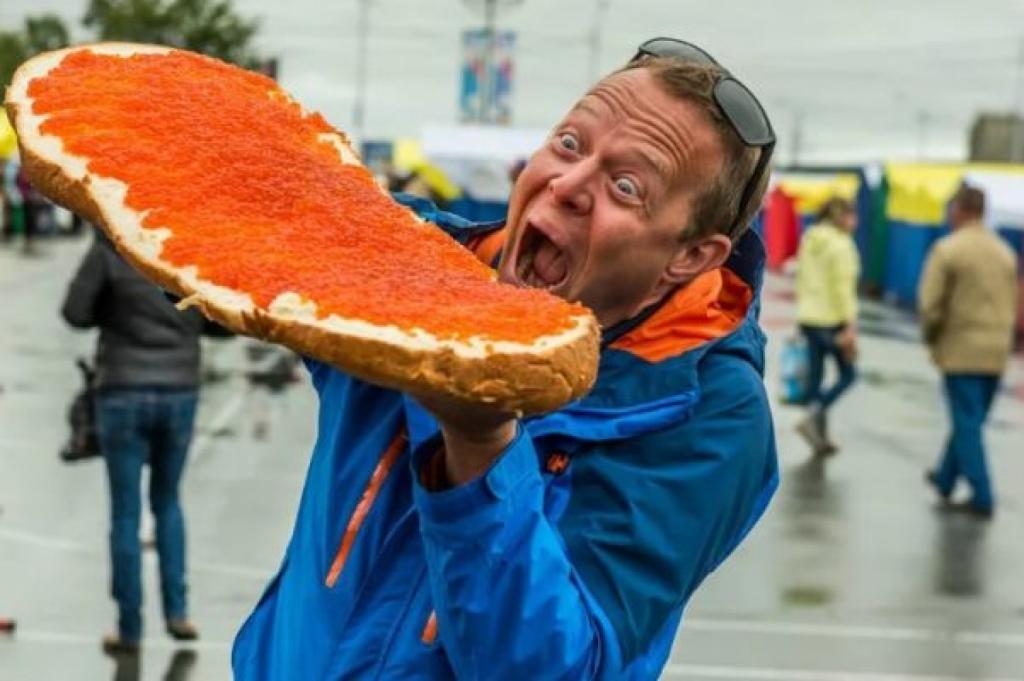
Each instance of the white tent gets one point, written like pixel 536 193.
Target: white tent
pixel 478 157
pixel 1004 196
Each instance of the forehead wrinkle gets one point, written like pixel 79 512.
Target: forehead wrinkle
pixel 587 107
pixel 671 153
pixel 675 147
pixel 657 163
pixel 649 155
pixel 669 134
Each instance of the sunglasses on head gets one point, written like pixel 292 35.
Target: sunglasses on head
pixel 737 103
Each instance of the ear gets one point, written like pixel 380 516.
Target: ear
pixel 696 257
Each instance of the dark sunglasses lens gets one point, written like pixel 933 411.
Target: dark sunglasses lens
pixel 744 112
pixel 667 47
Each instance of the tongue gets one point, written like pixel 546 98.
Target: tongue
pixel 549 263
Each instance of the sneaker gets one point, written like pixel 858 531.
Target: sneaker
pixel 931 478
pixel 828 448
pixel 181 664
pixel 970 509
pixel 810 430
pixel 114 644
pixel 182 630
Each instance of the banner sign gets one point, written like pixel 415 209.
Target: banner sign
pixel 485 93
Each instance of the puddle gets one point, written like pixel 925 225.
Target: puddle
pixel 807 596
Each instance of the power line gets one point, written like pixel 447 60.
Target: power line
pixel 594 40
pixel 359 103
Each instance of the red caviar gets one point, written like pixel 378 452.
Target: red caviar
pixel 261 205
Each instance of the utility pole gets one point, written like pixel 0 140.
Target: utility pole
pixel 923 120
pixel 359 104
pixel 594 41
pixel 796 140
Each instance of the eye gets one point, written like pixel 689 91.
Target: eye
pixel 569 142
pixel 627 186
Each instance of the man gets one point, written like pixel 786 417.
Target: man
pixel 457 543
pixel 147 378
pixel 967 305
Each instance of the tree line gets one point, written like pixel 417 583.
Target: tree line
pixel 211 27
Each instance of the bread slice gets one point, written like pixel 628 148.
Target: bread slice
pixel 478 366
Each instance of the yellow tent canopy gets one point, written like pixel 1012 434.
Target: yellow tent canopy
pixel 8 140
pixel 407 156
pixel 812 191
pixel 919 192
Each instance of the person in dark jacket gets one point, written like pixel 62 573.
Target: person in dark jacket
pixel 147 364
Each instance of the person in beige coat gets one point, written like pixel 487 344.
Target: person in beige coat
pixel 967 303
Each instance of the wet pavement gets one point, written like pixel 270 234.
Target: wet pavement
pixel 852 575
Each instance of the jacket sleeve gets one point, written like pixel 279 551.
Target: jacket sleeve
pixel 455 226
pixel 212 329
pixel 518 598
pixel 80 302
pixel 845 271
pixel 932 295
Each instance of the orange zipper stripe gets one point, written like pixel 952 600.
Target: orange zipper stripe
pixel 380 474
pixel 429 634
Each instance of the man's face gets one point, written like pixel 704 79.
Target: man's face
pixel 597 213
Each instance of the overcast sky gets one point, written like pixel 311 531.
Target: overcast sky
pixel 862 80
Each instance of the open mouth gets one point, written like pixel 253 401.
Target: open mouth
pixel 540 263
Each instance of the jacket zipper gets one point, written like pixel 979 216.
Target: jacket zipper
pixel 429 634
pixel 373 487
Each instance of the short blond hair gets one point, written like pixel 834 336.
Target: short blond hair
pixel 834 209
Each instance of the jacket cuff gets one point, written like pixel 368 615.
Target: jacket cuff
pixel 511 476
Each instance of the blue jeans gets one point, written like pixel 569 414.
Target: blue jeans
pixel 821 344
pixel 137 426
pixel 970 398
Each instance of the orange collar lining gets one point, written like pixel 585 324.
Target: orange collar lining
pixel 711 306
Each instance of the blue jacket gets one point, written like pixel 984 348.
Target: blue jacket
pixel 573 556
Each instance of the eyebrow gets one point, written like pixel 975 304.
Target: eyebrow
pixel 655 163
pixel 584 105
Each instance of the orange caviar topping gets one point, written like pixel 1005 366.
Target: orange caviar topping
pixel 261 205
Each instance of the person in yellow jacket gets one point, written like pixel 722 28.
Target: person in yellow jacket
pixel 828 267
pixel 967 302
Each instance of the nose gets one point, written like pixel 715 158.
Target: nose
pixel 572 189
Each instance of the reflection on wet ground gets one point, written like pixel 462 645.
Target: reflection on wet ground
pixel 129 667
pixel 962 555
pixel 854 574
pixel 851 576
pixel 813 524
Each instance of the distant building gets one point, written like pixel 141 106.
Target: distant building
pixel 997 137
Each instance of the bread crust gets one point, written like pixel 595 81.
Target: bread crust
pixel 517 382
